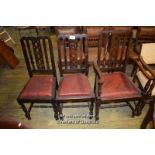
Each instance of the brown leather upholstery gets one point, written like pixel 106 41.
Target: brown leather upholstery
pixel 117 86
pixel 74 85
pixel 66 30
pixel 38 87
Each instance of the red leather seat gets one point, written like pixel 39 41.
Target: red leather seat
pixel 117 86
pixel 74 85
pixel 38 87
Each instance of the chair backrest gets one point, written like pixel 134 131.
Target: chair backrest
pixel 38 54
pixel 148 52
pixel 73 53
pixel 114 50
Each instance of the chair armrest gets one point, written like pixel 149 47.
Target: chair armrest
pixel 98 72
pixel 145 68
pixel 133 55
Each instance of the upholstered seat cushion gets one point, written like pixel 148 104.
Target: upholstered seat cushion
pixel 74 86
pixel 143 80
pixel 38 87
pixel 117 86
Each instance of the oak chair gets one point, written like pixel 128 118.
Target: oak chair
pixel 145 76
pixel 112 84
pixel 41 87
pixel 74 85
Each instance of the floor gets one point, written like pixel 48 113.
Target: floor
pixel 12 81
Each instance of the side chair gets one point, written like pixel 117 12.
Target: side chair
pixel 74 85
pixel 42 85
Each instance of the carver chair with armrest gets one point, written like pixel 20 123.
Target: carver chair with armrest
pixel 41 87
pixel 145 76
pixel 112 84
pixel 74 85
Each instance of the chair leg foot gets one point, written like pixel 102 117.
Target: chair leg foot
pixel 55 109
pixel 27 114
pixel 133 114
pixel 61 117
pixel 60 106
pixel 139 108
pixel 132 108
pixel 149 116
pixel 97 107
pixel 56 116
pixel 91 110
